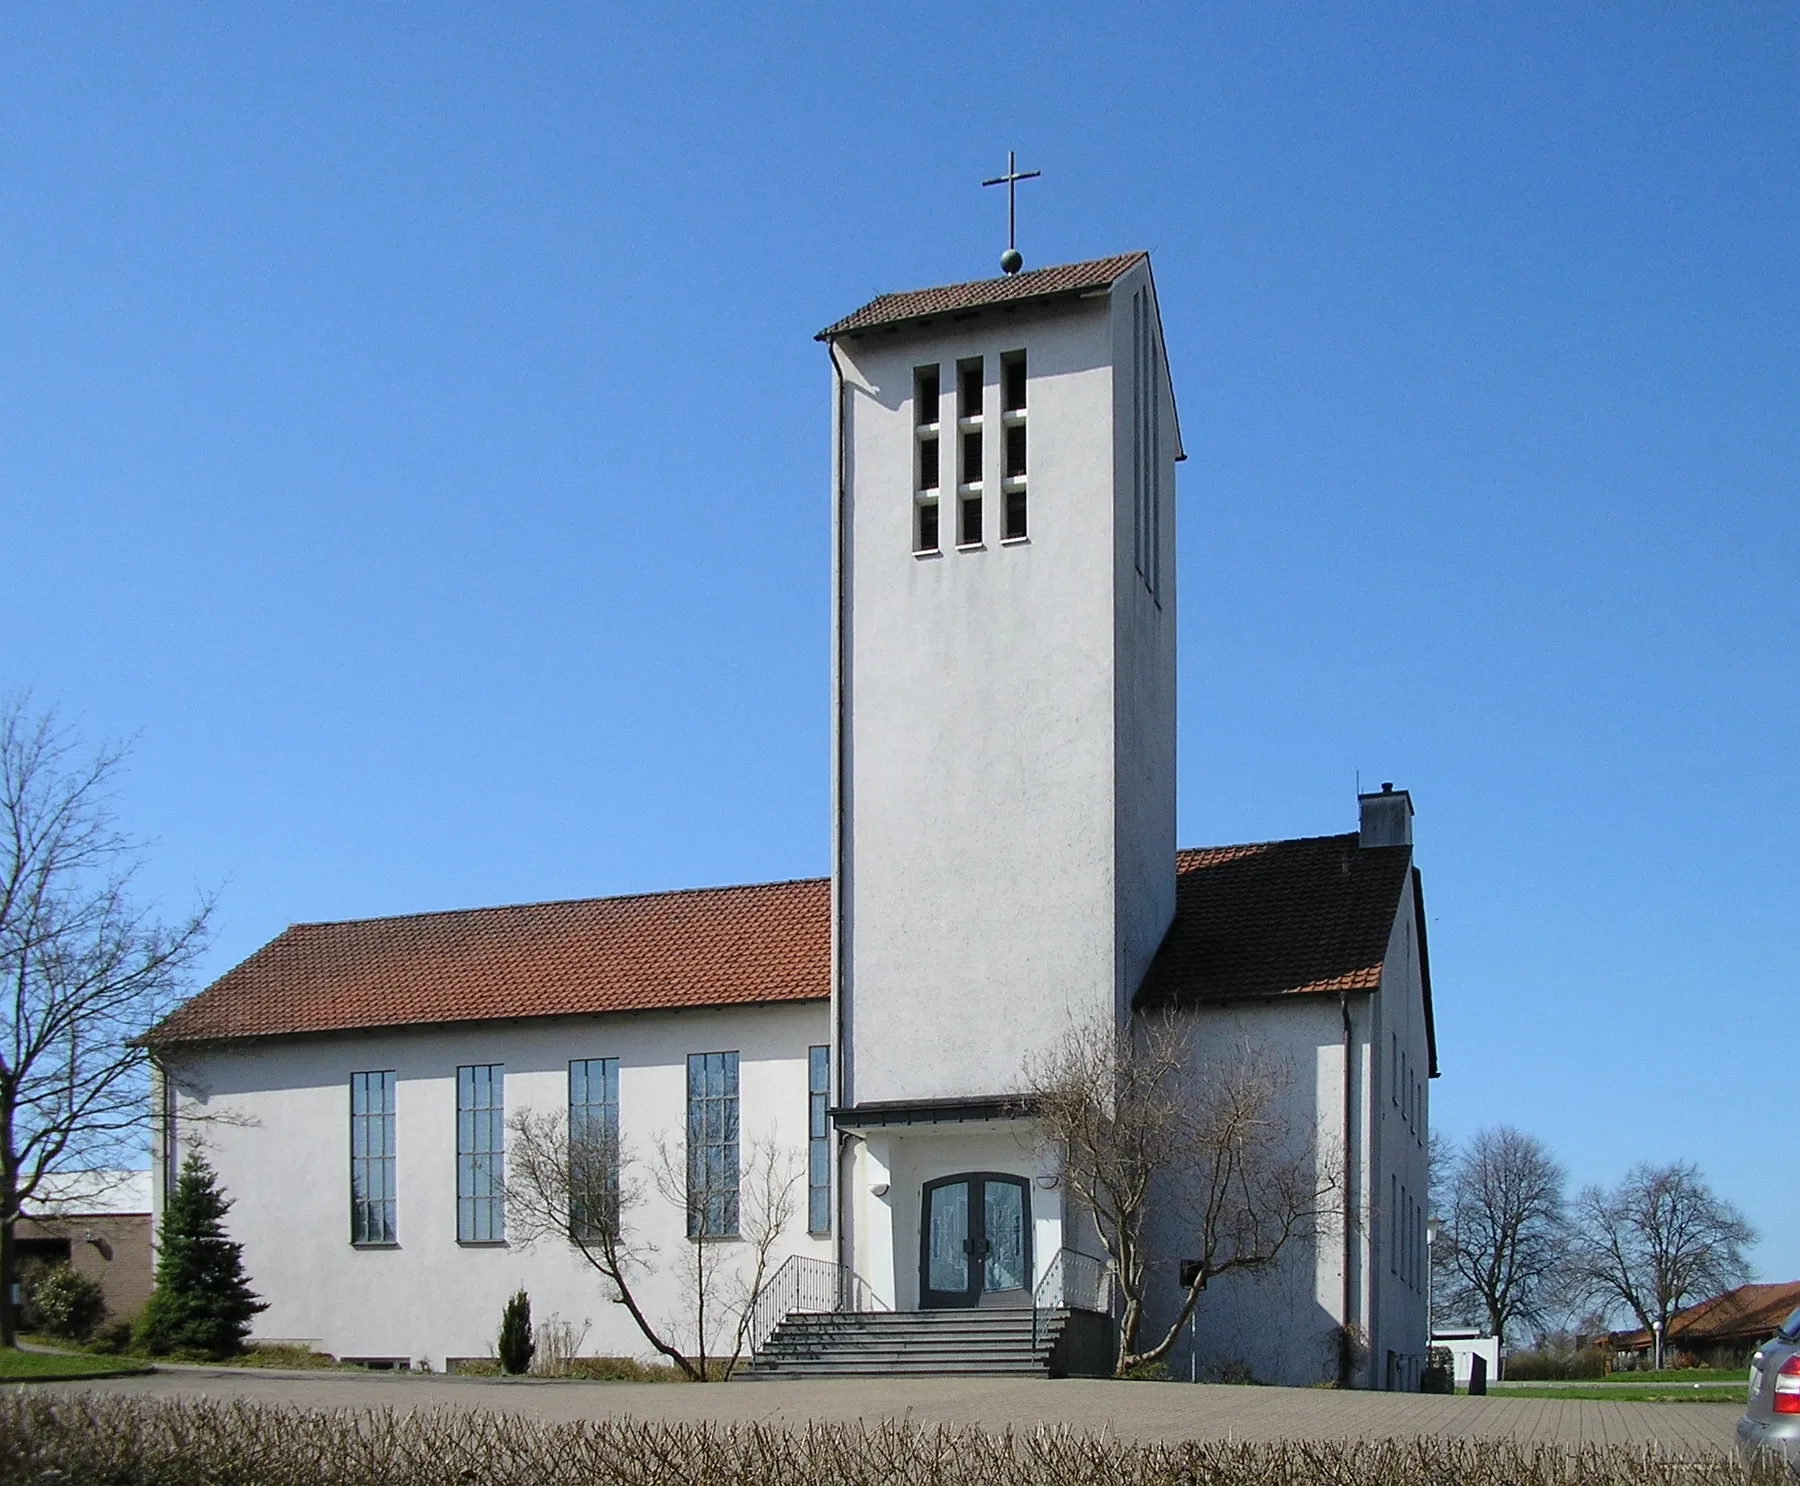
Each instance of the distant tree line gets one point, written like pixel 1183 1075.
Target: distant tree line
pixel 1513 1250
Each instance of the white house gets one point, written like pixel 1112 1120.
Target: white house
pixel 1004 866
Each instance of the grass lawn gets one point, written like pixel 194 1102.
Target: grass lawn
pixel 1639 1379
pixel 1625 1393
pixel 19 1365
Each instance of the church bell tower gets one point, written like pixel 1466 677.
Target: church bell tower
pixel 1004 689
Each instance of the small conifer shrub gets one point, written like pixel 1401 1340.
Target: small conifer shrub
pixel 515 1345
pixel 202 1302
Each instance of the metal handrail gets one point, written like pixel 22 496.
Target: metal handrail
pixel 1073 1281
pixel 804 1285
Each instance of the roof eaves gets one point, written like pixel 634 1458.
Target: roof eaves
pixel 153 1042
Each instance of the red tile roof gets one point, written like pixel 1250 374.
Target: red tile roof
pixel 1748 1313
pixel 727 946
pixel 1282 917
pixel 1040 283
pixel 1278 918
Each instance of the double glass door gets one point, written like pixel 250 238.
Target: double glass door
pixel 975 1239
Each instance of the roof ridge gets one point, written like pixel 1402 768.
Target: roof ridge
pixel 671 892
pixel 1273 841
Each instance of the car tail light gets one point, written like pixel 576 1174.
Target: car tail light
pixel 1787 1387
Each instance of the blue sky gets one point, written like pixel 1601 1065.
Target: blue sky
pixel 411 432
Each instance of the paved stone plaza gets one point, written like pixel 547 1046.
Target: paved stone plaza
pixel 1142 1411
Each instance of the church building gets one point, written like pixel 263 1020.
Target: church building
pixel 1003 868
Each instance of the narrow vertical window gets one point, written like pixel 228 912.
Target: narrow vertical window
pixel 1013 463
pixel 593 1148
pixel 712 1138
pixel 929 460
pixel 480 1153
pixel 1012 381
pixel 925 396
pixel 926 539
pixel 970 377
pixel 1156 462
pixel 372 1186
pixel 1015 515
pixel 1405 1207
pixel 968 388
pixel 818 1140
pixel 1393 1223
pixel 970 534
pixel 1015 452
pixel 1137 432
pixel 971 457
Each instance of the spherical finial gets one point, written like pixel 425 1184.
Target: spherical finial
pixel 1010 261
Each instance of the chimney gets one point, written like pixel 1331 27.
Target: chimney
pixel 1386 817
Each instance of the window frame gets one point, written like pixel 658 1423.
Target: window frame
pixel 581 1092
pixel 480 1154
pixel 714 1155
pixel 818 1140
pixel 364 1161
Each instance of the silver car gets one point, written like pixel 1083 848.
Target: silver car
pixel 1772 1422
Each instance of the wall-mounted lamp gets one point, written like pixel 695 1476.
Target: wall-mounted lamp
pixel 1048 1180
pixel 878 1189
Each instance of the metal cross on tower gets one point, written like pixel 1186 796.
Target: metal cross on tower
pixel 1010 261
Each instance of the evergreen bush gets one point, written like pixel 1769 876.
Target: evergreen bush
pixel 202 1302
pixel 515 1345
pixel 67 1303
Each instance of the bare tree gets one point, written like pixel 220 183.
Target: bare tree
pixel 1659 1241
pixel 582 1189
pixel 86 973
pixel 1500 1249
pixel 728 1257
pixel 1129 1113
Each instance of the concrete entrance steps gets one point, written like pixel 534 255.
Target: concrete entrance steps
pixel 883 1343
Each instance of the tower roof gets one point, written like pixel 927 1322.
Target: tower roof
pixel 947 299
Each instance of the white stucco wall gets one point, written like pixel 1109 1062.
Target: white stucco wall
pixel 1400 1113
pixel 1281 1323
pixel 279 1136
pixel 1143 634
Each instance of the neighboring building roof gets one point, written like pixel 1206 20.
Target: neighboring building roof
pixel 728 946
pixel 1039 283
pixel 91 1193
pixel 1279 918
pixel 1748 1313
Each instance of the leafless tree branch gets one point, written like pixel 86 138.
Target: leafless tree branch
pixel 1130 1111
pixel 84 973
pixel 1500 1254
pixel 582 1190
pixel 1660 1240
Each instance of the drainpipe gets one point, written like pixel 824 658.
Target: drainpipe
pixel 840 527
pixel 1346 1356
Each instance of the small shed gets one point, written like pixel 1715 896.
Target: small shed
pixel 1464 1344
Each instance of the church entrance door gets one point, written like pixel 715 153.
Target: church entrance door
pixel 975 1241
